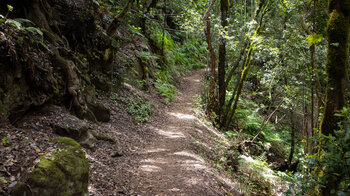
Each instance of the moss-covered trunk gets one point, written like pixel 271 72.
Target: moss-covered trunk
pixel 336 66
pixel 247 64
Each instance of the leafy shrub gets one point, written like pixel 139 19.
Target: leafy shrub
pixel 167 90
pixel 257 177
pixel 331 162
pixel 139 109
pixel 141 112
pixel 247 116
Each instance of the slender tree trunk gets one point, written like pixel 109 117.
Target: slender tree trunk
pixel 229 104
pixel 240 84
pixel 262 126
pixel 242 12
pixel 252 7
pixel 164 25
pixel 315 86
pixel 292 135
pixel 222 57
pixel 247 63
pixel 236 64
pixel 336 66
pixel 305 130
pixel 245 11
pixel 206 21
pixel 228 79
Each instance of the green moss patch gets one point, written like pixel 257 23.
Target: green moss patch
pixel 65 172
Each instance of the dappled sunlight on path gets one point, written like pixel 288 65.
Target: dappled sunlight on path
pixel 169 165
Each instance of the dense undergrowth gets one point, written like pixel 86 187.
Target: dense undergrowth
pixel 165 65
pixel 260 166
pixel 253 164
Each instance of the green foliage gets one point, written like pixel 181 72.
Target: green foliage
pixel 165 89
pixel 331 162
pixel 163 83
pixel 247 116
pixel 6 141
pixel 257 178
pixel 135 30
pixel 146 56
pixel 139 109
pixel 18 23
pixel 314 39
pixel 160 37
pixel 189 55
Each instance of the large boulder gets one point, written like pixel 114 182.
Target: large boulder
pixel 73 127
pixel 76 128
pixel 62 173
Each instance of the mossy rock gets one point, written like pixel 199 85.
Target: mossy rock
pixel 103 137
pixel 76 131
pixel 63 173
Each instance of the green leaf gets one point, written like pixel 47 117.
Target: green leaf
pixel 314 39
pixel 6 141
pixel 230 133
pixel 96 2
pixel 9 7
pixel 34 30
pixel 335 44
pixel 2 179
pixel 23 20
pixel 14 23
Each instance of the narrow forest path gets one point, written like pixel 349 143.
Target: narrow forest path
pixel 169 164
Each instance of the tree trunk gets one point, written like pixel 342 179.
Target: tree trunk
pixel 245 12
pixel 292 144
pixel 222 57
pixel 236 64
pixel 228 79
pixel 206 21
pixel 336 67
pixel 164 25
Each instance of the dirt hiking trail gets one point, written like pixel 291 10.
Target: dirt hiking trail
pixel 171 163
pixel 171 155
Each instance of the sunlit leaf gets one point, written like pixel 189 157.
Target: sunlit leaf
pixel 9 7
pixel 314 39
